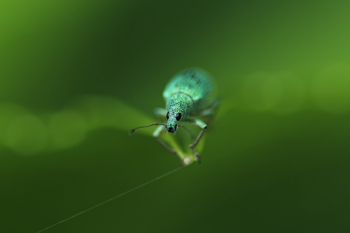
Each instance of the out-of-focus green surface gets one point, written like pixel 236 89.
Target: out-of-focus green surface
pixel 76 75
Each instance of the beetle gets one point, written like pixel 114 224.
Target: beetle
pixel 187 96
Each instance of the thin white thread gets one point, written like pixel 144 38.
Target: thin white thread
pixel 111 199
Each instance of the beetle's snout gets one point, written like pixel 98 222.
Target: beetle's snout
pixel 172 129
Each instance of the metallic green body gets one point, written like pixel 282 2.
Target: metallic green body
pixel 187 93
pixel 195 83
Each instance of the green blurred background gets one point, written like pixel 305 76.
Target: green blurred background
pixel 76 75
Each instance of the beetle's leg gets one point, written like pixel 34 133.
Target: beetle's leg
pixel 209 111
pixel 156 134
pixel 206 112
pixel 203 126
pixel 215 103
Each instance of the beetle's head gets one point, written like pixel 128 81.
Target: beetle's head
pixel 173 117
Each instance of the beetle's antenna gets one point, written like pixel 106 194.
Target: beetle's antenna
pixel 133 130
pixel 192 135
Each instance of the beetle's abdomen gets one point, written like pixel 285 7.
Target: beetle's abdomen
pixel 195 83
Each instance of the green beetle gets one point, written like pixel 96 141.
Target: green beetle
pixel 187 96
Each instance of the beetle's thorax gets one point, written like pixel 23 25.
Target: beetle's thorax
pixel 178 103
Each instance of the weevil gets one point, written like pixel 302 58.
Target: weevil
pixel 187 96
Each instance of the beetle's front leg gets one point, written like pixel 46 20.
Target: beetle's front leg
pixel 203 126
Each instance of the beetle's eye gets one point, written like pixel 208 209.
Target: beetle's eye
pixel 178 116
pixel 167 115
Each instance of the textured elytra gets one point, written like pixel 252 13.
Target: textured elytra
pixel 194 83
